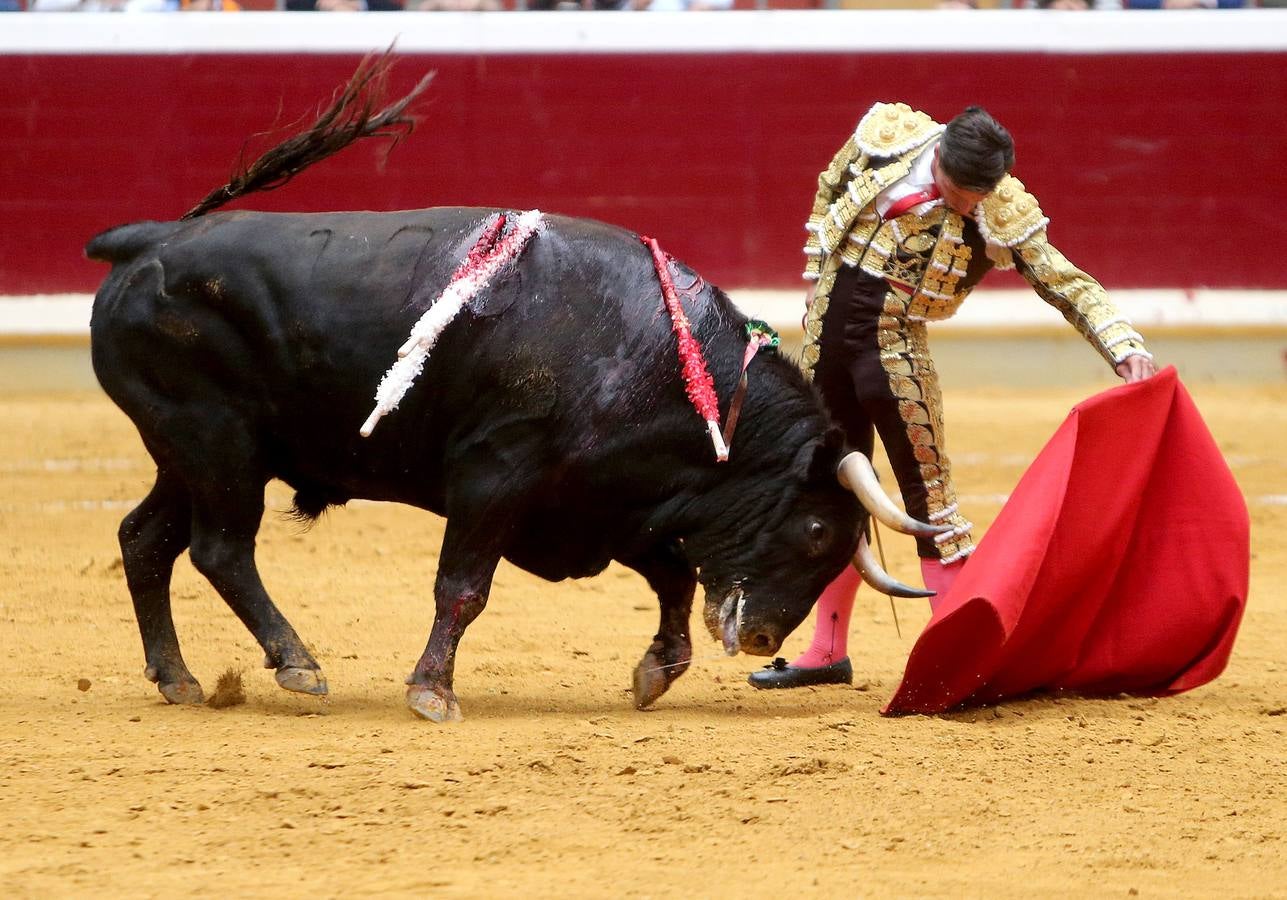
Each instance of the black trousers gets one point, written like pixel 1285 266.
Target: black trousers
pixel 876 377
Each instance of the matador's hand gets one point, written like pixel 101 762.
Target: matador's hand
pixel 1136 368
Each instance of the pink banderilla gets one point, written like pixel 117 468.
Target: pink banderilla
pixel 487 257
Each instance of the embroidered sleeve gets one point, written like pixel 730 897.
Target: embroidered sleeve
pixel 1080 298
pixel 830 228
pixel 832 179
pixel 831 186
pixel 1014 227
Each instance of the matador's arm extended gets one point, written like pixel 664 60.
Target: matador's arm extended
pixel 1015 230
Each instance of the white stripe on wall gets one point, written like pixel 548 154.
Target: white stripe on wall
pixel 775 31
pixel 68 314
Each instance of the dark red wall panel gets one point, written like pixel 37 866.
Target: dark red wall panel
pixel 1158 170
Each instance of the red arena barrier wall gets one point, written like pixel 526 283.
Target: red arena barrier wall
pixel 1158 169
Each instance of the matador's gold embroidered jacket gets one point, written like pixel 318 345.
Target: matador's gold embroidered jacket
pixel 942 255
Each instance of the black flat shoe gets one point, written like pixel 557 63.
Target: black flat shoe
pixel 781 674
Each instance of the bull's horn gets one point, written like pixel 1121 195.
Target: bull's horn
pixel 855 473
pixel 878 578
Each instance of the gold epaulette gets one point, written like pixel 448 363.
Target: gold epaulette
pixel 1009 215
pixel 891 129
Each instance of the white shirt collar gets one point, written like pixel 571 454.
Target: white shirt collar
pixel 919 177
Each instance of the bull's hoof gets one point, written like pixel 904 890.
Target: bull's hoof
pixel 302 681
pixel 428 703
pixel 652 678
pixel 182 692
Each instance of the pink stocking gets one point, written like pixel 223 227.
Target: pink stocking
pixel 939 578
pixel 831 631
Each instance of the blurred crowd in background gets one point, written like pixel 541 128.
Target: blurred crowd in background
pixel 651 5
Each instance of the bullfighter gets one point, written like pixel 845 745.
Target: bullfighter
pixel 908 218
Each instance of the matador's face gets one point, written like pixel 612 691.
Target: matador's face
pixel 956 197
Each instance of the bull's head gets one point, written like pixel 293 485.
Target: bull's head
pixel 758 593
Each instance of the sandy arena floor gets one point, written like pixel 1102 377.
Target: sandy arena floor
pixel 554 786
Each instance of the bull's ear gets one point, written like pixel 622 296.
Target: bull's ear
pixel 825 456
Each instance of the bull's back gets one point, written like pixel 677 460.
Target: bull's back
pixel 308 293
pixel 293 319
pixel 277 299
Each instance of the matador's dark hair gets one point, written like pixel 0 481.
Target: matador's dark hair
pixel 976 151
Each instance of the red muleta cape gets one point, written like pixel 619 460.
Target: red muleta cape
pixel 1119 564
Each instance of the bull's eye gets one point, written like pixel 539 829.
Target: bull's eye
pixel 819 535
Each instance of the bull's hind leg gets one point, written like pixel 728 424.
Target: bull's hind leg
pixel 225 521
pixel 152 536
pixel 671 575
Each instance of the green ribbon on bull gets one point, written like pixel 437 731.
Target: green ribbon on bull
pixel 759 331
pixel 759 336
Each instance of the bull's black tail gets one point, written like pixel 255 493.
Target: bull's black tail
pixel 353 114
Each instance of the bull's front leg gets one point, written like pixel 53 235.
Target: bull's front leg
pixel 671 575
pixel 465 569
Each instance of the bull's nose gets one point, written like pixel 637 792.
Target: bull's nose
pixel 761 643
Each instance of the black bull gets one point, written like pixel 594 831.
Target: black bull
pixel 550 427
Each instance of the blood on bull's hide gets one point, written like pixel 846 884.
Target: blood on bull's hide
pixel 549 426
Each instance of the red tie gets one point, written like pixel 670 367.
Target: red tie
pixel 903 204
